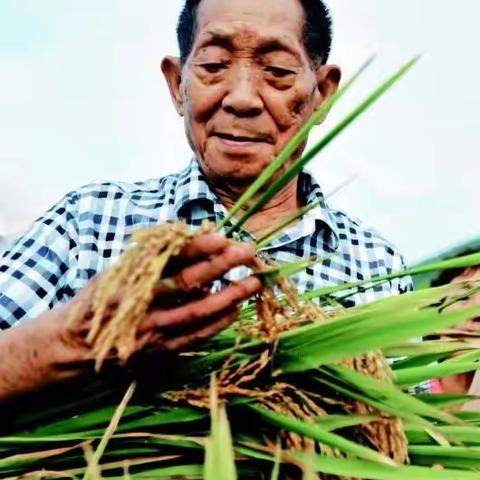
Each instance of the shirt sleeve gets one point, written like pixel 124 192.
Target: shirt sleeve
pixel 33 271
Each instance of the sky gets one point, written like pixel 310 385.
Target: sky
pixel 82 98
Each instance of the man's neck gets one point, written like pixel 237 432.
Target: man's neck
pixel 284 203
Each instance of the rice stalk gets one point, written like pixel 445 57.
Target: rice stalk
pixel 305 390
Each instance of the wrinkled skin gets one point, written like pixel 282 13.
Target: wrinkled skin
pixel 245 90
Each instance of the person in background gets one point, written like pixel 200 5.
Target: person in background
pixel 469 382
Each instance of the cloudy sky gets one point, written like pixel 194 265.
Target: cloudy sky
pixel 82 98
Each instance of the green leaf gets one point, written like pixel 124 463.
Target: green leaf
pixel 167 416
pixel 469 417
pixel 385 397
pixel 407 377
pixel 93 420
pixel 459 262
pixel 363 329
pixel 433 347
pixel 309 472
pixel 177 471
pixel 269 276
pixel 454 457
pixel 336 422
pixel 277 230
pixel 295 169
pixel 91 472
pixel 461 435
pixel 291 147
pixel 278 460
pixel 377 471
pixel 219 456
pixel 47 411
pixel 444 400
pixel 320 435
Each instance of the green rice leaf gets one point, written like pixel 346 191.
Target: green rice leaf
pixel 362 330
pixel 444 400
pixel 459 262
pixel 469 417
pixel 460 435
pixel 219 456
pixel 276 466
pixel 452 457
pixel 278 229
pixel 295 169
pixel 408 377
pixel 291 147
pixel 321 435
pixel 336 422
pixel 177 471
pixel 270 275
pixel 385 397
pixel 90 473
pixel 377 471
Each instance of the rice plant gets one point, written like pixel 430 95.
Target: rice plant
pixel 292 390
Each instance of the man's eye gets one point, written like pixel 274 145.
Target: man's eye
pixel 213 67
pixel 278 72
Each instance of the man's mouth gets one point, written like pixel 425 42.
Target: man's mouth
pixel 241 139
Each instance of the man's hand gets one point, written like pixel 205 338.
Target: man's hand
pixel 43 350
pixel 196 314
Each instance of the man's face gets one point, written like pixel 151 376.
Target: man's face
pixel 471 275
pixel 248 85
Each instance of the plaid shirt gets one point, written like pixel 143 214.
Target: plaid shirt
pixel 88 229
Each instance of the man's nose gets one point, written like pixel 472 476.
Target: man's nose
pixel 243 98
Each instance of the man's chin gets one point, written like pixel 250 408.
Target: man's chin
pixel 234 170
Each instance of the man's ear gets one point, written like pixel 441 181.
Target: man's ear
pixel 328 80
pixel 172 71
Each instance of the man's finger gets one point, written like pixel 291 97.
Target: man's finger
pixel 200 248
pixel 204 333
pixel 167 300
pixel 204 245
pixel 209 270
pixel 201 310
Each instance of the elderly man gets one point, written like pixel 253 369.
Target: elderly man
pixel 249 75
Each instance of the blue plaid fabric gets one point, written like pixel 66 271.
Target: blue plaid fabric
pixel 88 229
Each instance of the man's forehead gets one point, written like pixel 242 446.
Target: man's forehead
pixel 233 36
pixel 264 21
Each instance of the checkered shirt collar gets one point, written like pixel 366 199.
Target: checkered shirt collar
pixel 195 200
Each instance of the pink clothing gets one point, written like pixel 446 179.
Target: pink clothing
pixel 435 386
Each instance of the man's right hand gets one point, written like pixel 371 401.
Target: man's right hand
pixel 44 351
pixel 197 314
